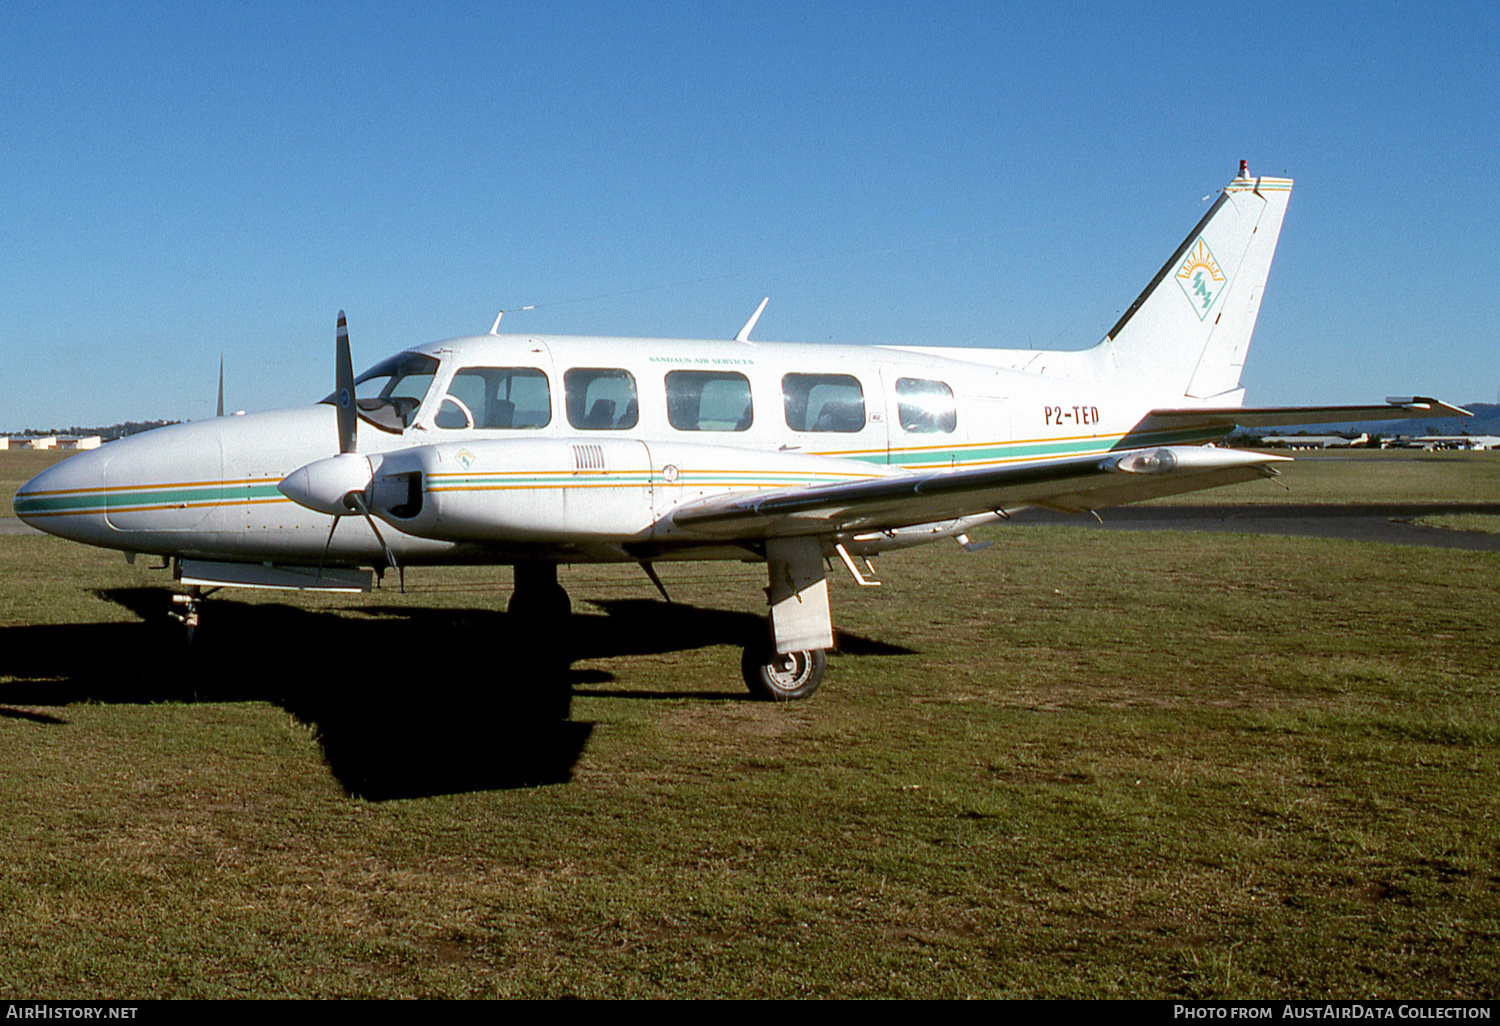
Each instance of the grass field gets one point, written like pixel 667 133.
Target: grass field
pixel 1135 764
pixel 1485 522
pixel 1367 475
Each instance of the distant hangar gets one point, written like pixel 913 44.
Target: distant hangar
pixel 51 442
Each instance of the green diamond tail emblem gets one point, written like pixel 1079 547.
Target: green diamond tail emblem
pixel 1200 278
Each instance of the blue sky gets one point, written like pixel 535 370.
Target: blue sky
pixel 183 180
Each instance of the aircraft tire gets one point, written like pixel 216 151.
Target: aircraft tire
pixel 782 678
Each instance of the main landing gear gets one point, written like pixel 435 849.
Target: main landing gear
pixel 539 599
pixel 789 663
pixel 538 596
pixel 782 678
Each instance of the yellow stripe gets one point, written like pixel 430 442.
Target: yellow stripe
pixel 108 510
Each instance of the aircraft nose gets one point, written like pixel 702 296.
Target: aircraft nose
pixel 66 499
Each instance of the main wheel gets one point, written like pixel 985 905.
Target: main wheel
pixel 782 678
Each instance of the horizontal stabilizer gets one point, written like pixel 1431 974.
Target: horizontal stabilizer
pixel 1229 417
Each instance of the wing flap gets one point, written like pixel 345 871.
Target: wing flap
pixel 1079 483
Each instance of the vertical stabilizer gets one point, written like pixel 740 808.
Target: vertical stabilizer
pixel 1192 324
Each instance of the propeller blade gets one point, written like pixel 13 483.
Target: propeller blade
pixel 344 385
pixel 326 545
pixel 358 502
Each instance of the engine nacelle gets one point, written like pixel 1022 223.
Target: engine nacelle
pixel 517 490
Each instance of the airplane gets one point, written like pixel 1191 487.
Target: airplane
pixel 535 450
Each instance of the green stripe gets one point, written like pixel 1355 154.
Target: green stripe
pixel 101 501
pixel 987 453
pixel 959 457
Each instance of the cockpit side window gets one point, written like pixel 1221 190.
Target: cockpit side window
pixel 389 394
pixel 823 402
pixel 507 398
pixel 601 398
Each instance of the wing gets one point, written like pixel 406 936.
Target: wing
pixel 1070 485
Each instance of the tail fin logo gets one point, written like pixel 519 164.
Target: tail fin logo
pixel 1201 279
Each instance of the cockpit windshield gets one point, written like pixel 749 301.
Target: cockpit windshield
pixel 389 394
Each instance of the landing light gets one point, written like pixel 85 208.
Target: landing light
pixel 1154 461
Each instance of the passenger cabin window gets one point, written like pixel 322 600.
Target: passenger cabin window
pixel 925 407
pixel 709 401
pixel 600 399
pixel 823 402
pixel 508 398
pixel 389 393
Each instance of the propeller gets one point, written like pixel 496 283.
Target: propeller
pixel 340 485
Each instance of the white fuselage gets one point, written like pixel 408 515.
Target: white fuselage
pixel 595 468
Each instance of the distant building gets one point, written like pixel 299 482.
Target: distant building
pixel 1313 441
pixel 50 442
pixel 1431 442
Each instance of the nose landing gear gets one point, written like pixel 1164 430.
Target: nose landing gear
pixel 186 609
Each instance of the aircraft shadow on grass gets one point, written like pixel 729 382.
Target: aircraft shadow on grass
pixel 406 702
